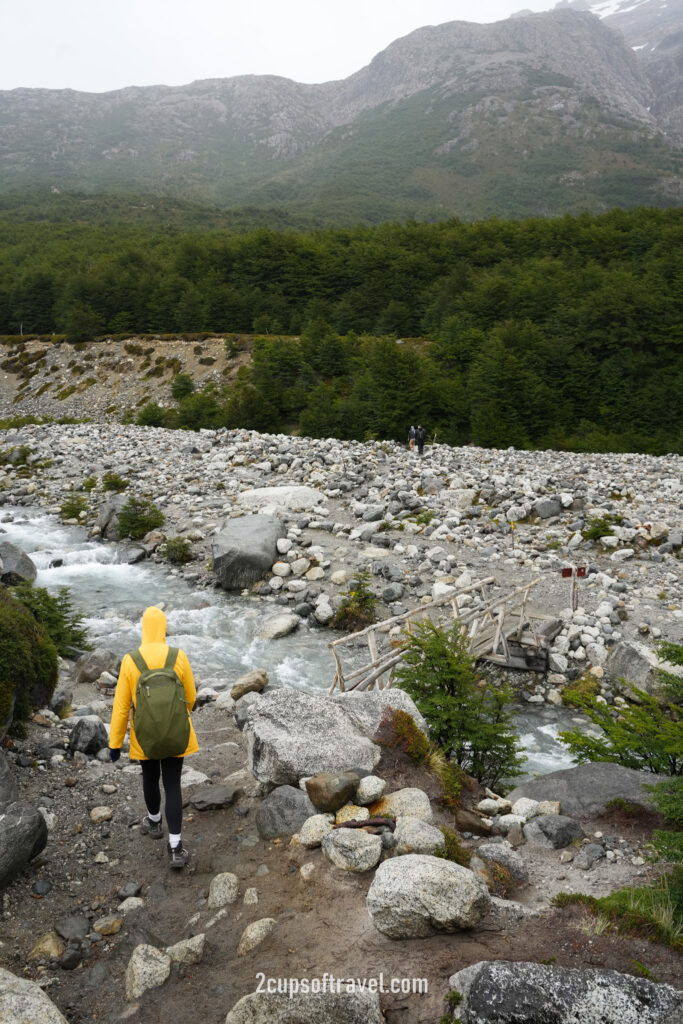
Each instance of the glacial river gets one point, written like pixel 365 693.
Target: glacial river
pixel 218 631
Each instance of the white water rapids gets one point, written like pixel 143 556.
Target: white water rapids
pixel 219 632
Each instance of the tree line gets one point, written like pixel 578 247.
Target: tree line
pixel 561 333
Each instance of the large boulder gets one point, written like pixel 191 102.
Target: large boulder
pixel 638 664
pixel 291 734
pixel 366 710
pixel 16 565
pixel 23 834
pixel 588 788
pixel 494 990
pixel 24 1002
pixel 245 549
pixel 305 1007
pixel 283 812
pixel 416 896
pixel 404 803
pixel 9 791
pixel 108 516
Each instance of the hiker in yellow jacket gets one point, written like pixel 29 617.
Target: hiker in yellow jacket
pixel 154 651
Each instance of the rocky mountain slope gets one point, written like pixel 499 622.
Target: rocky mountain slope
pixel 537 114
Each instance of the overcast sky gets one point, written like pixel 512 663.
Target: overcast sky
pixel 99 45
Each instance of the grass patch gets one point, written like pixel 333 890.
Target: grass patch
pixel 653 912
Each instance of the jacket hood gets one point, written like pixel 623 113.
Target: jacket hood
pixel 153 626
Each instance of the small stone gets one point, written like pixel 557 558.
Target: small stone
pixel 307 871
pixel 108 925
pixel 101 814
pixel 250 897
pixel 47 947
pixel 254 934
pixel 130 904
pixel 224 889
pixel 188 951
pixel 147 968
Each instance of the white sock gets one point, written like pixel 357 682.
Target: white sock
pixel 174 839
pixel 154 817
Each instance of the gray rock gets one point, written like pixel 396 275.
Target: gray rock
pixel 547 507
pixel 314 828
pixel 254 934
pixel 416 896
pixel 16 565
pixel 307 1008
pixel 211 798
pixel 503 854
pixel 9 791
pixel 638 664
pixel 552 830
pixel 73 928
pixel 61 699
pixel 415 836
pixel 243 706
pixel 279 626
pixel 188 951
pixel 23 834
pixel 494 991
pixel 88 735
pixel 223 890
pixel 108 516
pixel 370 788
pixel 24 1002
pixel 366 710
pixel 352 849
pixel 283 812
pixel 588 788
pixel 291 735
pixel 90 666
pixel 588 856
pixel 245 549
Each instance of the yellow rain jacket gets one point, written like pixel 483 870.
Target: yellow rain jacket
pixel 154 650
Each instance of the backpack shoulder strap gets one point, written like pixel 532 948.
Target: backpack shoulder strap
pixel 138 660
pixel 171 657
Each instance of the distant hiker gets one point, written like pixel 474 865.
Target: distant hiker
pixel 420 438
pixel 411 437
pixel 156 682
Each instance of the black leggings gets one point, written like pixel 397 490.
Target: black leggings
pixel 169 769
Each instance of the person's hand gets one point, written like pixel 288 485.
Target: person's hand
pixel 114 753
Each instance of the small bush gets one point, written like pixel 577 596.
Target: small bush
pixel 138 516
pixel 453 848
pixel 468 719
pixel 113 482
pixel 56 616
pixel 89 484
pixel 600 526
pixel 72 506
pixel 178 550
pixel 357 610
pixel 398 729
pixel 182 385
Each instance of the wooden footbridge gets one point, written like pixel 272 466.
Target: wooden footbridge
pixel 499 627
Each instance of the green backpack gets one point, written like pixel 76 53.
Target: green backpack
pixel 160 718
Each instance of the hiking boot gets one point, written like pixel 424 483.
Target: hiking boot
pixel 150 828
pixel 177 856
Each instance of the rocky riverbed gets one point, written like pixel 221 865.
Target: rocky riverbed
pixel 420 526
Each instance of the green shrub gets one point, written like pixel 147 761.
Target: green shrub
pixel 55 615
pixel 647 735
pixel 600 526
pixel 178 550
pixel 151 415
pixel 72 506
pixel 453 848
pixel 89 484
pixel 182 385
pixel 668 797
pixel 357 610
pixel 28 661
pixel 138 516
pixel 113 482
pixel 467 718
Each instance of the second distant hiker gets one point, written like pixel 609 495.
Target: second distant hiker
pixel 155 693
pixel 420 438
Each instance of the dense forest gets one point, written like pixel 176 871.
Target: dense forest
pixel 563 333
